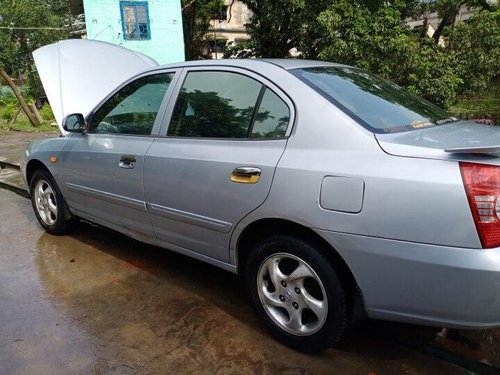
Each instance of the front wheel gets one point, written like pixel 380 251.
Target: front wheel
pixel 48 203
pixel 297 293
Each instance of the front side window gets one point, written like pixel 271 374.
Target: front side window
pixel 379 105
pixel 215 104
pixel 133 109
pixel 135 20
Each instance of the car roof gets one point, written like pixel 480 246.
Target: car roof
pixel 299 63
pixel 286 64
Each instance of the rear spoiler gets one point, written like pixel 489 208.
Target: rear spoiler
pixel 474 150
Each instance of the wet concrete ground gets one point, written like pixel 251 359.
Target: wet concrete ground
pixel 12 147
pixel 96 302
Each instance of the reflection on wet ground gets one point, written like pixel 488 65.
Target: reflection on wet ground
pixel 98 302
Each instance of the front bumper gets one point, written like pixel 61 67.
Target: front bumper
pixel 422 283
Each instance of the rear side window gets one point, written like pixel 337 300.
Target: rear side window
pixel 133 109
pixel 272 118
pixel 216 104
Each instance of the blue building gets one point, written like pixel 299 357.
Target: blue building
pixel 152 27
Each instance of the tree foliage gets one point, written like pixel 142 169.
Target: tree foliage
pixel 448 11
pixel 29 25
pixel 372 34
pixel 196 16
pixel 476 50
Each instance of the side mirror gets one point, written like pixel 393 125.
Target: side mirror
pixel 74 123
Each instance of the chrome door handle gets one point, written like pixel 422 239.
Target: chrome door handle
pixel 127 162
pixel 246 175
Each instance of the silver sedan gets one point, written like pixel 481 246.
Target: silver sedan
pixel 334 193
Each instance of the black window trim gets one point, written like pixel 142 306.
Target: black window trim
pixel 256 109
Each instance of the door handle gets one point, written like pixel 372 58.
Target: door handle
pixel 127 162
pixel 246 175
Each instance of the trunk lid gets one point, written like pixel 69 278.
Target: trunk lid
pixel 462 140
pixel 77 74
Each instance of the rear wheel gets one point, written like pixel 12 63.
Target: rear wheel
pixel 297 293
pixel 48 203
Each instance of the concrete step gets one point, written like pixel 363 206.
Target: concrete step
pixel 11 155
pixel 10 175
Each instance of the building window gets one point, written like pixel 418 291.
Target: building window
pixel 135 20
pixel 221 14
pixel 216 46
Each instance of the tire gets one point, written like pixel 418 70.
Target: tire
pixel 305 280
pixel 48 204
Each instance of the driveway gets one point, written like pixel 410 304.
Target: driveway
pixel 12 147
pixel 98 302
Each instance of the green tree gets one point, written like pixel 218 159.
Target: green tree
pixel 28 25
pixel 475 46
pixel 372 34
pixel 8 52
pixel 196 16
pixel 273 26
pixel 378 40
pixel 448 11
pixel 277 26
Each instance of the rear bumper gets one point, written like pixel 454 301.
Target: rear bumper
pixel 421 283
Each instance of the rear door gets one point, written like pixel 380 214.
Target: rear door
pixel 224 133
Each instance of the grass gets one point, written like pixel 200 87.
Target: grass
pixel 9 106
pixel 481 104
pixel 22 124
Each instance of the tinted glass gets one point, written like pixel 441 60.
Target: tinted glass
pixel 380 105
pixel 133 109
pixel 271 120
pixel 214 104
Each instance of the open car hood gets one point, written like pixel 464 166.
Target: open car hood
pixel 77 74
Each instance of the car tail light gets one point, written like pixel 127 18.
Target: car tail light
pixel 482 185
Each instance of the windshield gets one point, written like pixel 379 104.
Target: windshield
pixel 379 105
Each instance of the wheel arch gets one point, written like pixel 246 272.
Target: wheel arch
pixel 262 228
pixel 32 166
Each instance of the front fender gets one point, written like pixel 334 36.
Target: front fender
pixel 42 153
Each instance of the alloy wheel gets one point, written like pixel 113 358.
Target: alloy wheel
pixel 46 203
pixel 292 294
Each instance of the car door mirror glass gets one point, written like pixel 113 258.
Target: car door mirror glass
pixel 74 123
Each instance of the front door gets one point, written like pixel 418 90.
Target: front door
pixel 103 169
pixel 227 129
